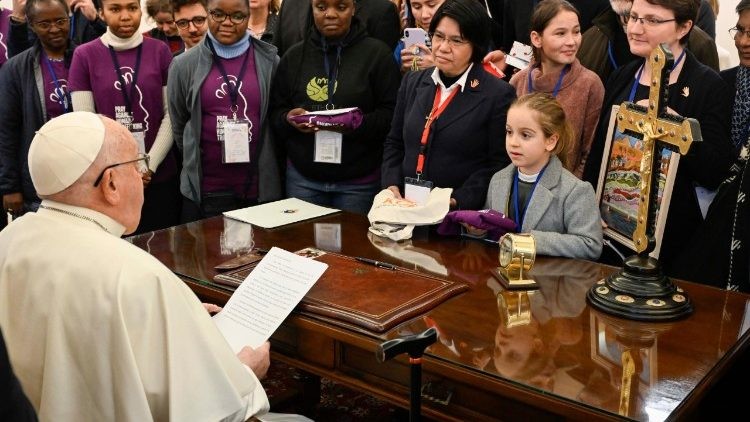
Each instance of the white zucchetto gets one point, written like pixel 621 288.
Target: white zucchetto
pixel 63 149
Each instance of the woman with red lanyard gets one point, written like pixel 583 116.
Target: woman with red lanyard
pixel 448 129
pixel 123 75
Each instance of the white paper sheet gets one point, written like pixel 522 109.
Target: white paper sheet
pixel 331 112
pixel 279 213
pixel 266 297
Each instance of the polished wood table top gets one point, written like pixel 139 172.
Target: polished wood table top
pixel 515 352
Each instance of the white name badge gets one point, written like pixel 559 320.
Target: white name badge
pixel 140 139
pixel 328 147
pixel 417 191
pixel 236 146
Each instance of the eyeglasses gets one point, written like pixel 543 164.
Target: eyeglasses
pixel 197 22
pixel 141 164
pixel 647 21
pixel 236 18
pixel 438 37
pixel 739 32
pixel 46 25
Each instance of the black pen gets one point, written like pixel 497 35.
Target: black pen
pixel 378 264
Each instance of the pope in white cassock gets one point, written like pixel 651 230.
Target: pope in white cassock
pixel 97 329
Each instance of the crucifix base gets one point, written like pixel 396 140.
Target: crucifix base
pixel 640 291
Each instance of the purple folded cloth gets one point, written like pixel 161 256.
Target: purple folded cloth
pixel 495 222
pixel 347 119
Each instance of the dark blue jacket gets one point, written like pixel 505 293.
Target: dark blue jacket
pixel 21 115
pixel 467 143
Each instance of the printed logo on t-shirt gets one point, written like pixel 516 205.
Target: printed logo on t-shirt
pixel 317 89
pixel 222 92
pixel 136 99
pixel 59 95
pixel 3 47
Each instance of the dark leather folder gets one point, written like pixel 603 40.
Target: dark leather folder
pixel 355 293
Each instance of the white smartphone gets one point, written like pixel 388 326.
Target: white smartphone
pixel 414 36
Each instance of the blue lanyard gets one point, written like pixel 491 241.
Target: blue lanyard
pixel 234 90
pixel 72 33
pixel 520 218
pixel 611 55
pixel 631 97
pixel 332 74
pixel 125 95
pixel 557 85
pixel 65 95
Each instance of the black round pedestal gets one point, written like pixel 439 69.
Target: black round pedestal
pixel 641 292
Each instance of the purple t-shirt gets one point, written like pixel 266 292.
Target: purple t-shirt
pixel 55 94
pixel 93 69
pixel 216 105
pixel 4 28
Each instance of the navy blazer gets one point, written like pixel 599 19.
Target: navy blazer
pixel 466 145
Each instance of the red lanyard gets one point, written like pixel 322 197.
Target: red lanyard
pixel 437 110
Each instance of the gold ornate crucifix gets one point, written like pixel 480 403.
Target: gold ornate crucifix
pixel 640 290
pixel 655 125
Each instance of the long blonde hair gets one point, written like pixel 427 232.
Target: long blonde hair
pixel 551 118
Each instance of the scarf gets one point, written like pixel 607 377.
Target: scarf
pixel 120 44
pixel 741 111
pixel 233 50
pixel 740 179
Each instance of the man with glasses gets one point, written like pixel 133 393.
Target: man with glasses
pixel 165 30
pixel 605 48
pixel 738 77
pixel 218 94
pixel 190 17
pixel 112 333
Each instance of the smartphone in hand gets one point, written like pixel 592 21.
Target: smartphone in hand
pixel 414 36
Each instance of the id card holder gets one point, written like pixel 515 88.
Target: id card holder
pixel 140 140
pixel 416 190
pixel 328 147
pixel 236 145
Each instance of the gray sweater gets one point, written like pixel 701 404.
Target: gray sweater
pixel 562 215
pixel 186 75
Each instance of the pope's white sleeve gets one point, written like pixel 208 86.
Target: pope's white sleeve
pixel 256 402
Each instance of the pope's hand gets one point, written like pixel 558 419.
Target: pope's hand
pixel 257 359
pixel 211 308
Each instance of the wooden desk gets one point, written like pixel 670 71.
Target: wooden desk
pixel 576 371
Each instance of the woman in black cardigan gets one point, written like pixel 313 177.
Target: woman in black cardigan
pixel 694 91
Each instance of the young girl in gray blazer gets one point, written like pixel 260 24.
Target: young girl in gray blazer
pixel 543 198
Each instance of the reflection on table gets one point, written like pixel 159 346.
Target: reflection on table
pixel 539 355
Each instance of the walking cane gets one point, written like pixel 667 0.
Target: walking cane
pixel 414 345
